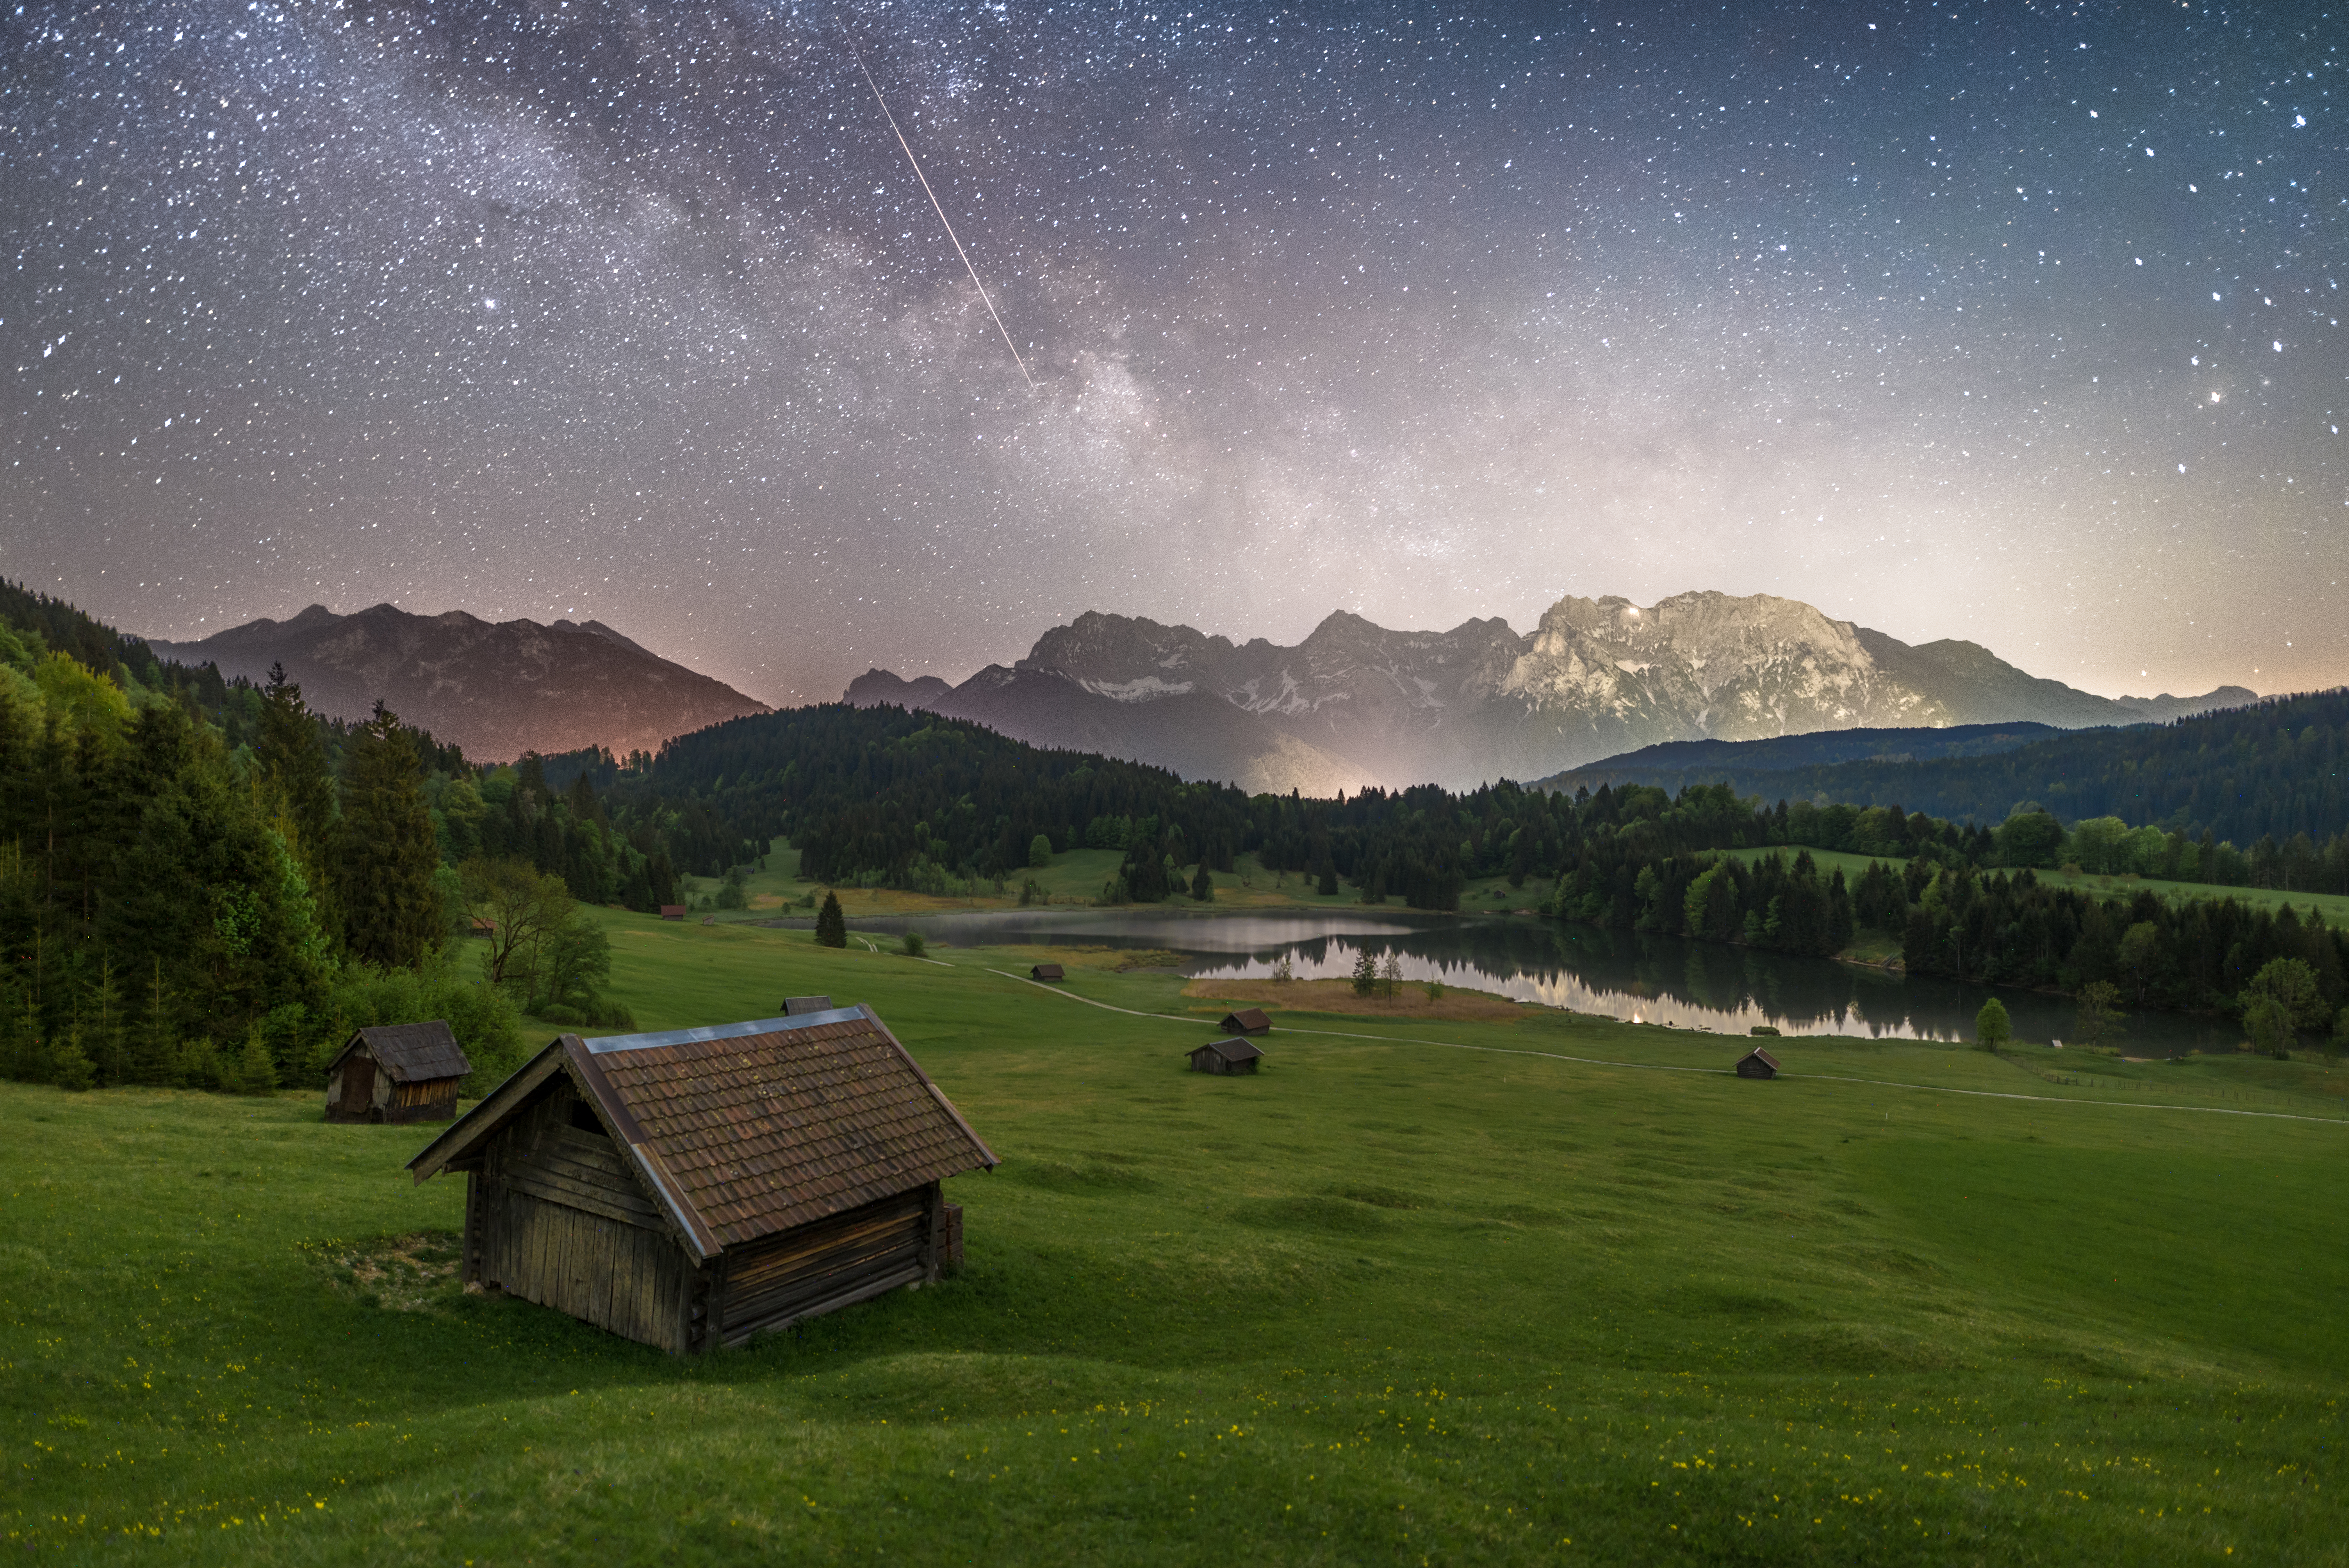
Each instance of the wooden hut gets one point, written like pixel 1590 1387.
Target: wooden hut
pixel 1226 1056
pixel 672 912
pixel 1247 1021
pixel 482 926
pixel 794 1006
pixel 396 1072
pixel 1047 971
pixel 1758 1063
pixel 697 1187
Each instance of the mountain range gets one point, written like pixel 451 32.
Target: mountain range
pixel 1355 704
pixel 496 689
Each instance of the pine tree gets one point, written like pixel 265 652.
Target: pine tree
pixel 391 904
pixel 69 1065
pixel 1366 973
pixel 831 926
pixel 252 1071
pixel 294 782
pixel 1202 886
pixel 1328 886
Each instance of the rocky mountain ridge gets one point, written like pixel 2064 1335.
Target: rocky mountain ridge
pixel 1358 704
pixel 496 689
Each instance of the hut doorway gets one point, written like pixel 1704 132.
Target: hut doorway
pixel 359 1087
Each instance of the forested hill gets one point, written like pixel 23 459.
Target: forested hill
pixel 2271 769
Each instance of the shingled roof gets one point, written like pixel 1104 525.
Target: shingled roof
pixel 745 1129
pixel 409 1053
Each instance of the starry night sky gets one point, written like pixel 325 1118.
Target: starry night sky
pixel 2009 322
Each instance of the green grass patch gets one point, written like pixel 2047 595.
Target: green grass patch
pixel 1386 1301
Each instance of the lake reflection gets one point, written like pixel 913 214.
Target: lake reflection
pixel 1616 973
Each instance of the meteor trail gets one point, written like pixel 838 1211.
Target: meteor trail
pixel 934 207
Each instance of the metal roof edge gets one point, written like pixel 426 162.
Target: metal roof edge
pixel 610 1043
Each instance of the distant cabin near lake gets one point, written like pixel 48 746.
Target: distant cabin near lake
pixel 1047 971
pixel 1757 1063
pixel 396 1072
pixel 694 1188
pixel 1226 1057
pixel 1245 1021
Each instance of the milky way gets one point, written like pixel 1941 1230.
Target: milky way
pixel 2012 323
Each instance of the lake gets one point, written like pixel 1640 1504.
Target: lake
pixel 1623 974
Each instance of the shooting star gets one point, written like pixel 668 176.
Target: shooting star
pixel 935 205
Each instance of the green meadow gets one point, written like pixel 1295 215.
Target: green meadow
pixel 1546 1289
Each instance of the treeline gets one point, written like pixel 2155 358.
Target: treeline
pixel 2273 770
pixel 2016 930
pixel 205 883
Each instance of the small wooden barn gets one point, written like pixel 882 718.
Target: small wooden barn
pixel 1047 971
pixel 672 912
pixel 1247 1021
pixel 482 926
pixel 697 1187
pixel 1758 1063
pixel 1226 1056
pixel 396 1072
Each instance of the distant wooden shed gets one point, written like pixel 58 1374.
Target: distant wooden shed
pixel 697 1187
pixel 396 1072
pixel 1247 1021
pixel 1047 971
pixel 1226 1056
pixel 1758 1064
pixel 672 912
pixel 482 925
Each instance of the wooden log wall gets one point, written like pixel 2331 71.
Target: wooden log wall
pixel 554 1217
pixel 635 1281
pixel 827 1265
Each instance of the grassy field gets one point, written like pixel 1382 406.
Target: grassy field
pixel 1425 1290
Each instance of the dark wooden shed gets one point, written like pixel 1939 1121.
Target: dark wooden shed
pixel 1226 1056
pixel 396 1072
pixel 1758 1063
pixel 1247 1021
pixel 698 1187
pixel 672 912
pixel 1047 971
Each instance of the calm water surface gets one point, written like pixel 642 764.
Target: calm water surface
pixel 1622 975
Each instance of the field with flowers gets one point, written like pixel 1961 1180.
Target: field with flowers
pixel 1535 1288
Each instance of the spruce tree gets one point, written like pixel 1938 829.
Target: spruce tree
pixel 831 926
pixel 1328 886
pixel 295 785
pixel 391 905
pixel 1202 886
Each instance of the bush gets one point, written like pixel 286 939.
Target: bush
pixel 1435 989
pixel 1039 850
pixel 2268 1024
pixel 1769 1030
pixel 913 944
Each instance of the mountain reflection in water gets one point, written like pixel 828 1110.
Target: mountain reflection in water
pixel 1615 974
